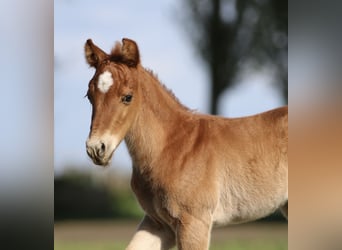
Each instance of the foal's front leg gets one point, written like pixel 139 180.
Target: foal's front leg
pixel 193 233
pixel 152 236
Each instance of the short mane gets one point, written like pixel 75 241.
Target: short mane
pixel 167 90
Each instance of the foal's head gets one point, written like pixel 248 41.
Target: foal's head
pixel 113 94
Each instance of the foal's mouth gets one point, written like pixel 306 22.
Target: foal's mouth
pixel 102 161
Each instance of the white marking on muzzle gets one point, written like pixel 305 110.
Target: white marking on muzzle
pixel 105 81
pixel 111 142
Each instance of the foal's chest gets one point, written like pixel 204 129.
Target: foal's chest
pixel 150 198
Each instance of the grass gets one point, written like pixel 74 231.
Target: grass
pixel 250 245
pixel 229 245
pixel 115 235
pixel 88 246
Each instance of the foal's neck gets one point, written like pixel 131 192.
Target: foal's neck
pixel 158 116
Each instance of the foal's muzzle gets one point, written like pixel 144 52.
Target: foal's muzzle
pixel 97 152
pixel 101 148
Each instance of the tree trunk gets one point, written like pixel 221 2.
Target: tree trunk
pixel 215 91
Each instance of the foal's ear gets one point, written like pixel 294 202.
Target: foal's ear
pixel 93 54
pixel 130 52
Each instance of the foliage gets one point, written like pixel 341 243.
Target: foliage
pixel 82 195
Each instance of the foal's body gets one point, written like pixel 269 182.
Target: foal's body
pixel 206 169
pixel 192 171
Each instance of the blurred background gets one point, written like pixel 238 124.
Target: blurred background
pixel 27 117
pixel 225 57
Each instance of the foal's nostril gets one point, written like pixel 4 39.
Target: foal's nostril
pixel 101 149
pixel 96 150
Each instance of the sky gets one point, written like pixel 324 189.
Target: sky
pixel 164 47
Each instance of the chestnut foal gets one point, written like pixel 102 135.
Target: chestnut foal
pixel 190 171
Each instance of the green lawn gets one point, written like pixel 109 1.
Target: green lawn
pixel 115 235
pixel 229 245
pixel 88 246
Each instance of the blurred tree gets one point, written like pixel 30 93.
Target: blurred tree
pixel 230 33
pixel 81 195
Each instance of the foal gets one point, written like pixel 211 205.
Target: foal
pixel 190 171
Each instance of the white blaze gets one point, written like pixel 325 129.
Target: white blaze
pixel 105 81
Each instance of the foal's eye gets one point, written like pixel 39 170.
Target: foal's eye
pixel 127 99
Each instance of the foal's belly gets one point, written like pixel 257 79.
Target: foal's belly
pixel 239 211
